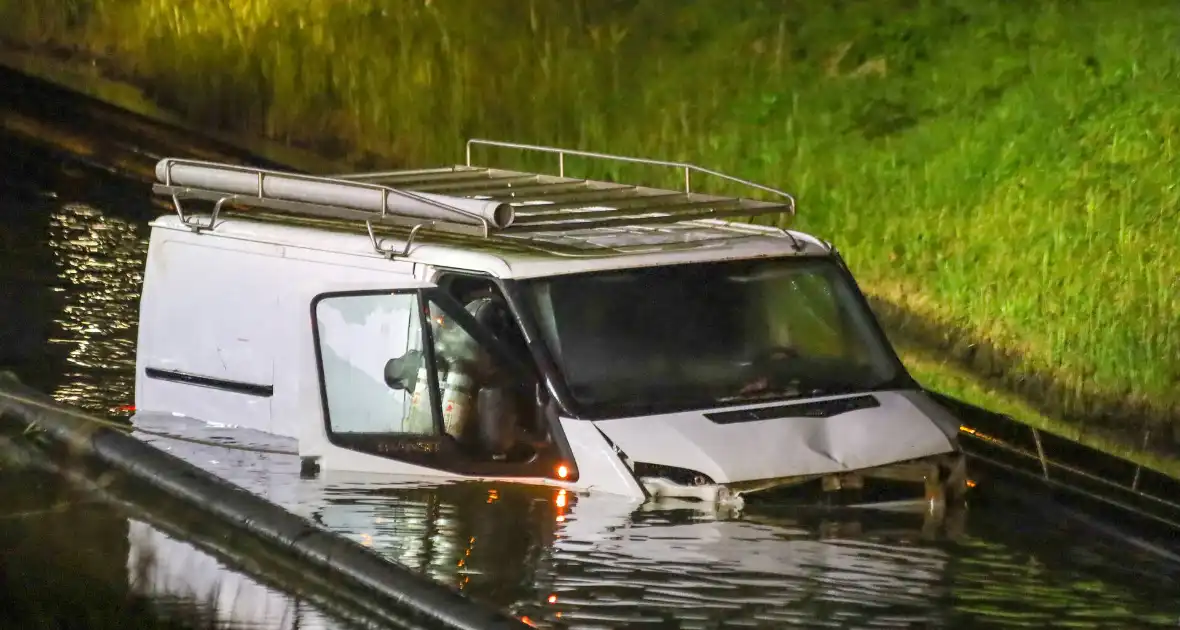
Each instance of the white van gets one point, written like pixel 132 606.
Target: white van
pixel 472 322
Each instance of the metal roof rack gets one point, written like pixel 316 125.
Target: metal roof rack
pixel 484 202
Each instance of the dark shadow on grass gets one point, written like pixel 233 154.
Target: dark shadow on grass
pixel 236 110
pixel 1138 425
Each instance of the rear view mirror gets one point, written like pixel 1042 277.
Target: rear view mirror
pixel 402 372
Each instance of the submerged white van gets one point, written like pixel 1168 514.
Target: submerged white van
pixel 473 322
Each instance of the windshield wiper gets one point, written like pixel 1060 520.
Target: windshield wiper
pixel 766 394
pixel 806 390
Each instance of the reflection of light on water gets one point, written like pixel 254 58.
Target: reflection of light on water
pixel 100 271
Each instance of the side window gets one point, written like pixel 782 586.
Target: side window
pixel 365 342
pixel 375 352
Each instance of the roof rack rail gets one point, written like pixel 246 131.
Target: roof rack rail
pixel 687 168
pixel 465 199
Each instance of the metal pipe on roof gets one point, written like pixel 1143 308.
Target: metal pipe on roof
pixel 236 180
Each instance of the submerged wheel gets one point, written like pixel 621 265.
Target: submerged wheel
pixel 955 475
pixel 946 494
pixel 946 487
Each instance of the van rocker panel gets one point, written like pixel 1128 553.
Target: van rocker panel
pixel 896 430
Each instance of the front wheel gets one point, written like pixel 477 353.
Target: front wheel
pixel 946 480
pixel 955 480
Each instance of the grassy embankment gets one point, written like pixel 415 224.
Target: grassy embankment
pixel 1006 171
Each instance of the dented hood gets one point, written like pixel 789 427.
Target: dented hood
pixel 816 436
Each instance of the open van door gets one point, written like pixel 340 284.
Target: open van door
pixel 410 380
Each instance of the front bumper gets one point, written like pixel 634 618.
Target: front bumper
pixel 927 483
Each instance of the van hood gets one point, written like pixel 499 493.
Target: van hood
pixel 805 437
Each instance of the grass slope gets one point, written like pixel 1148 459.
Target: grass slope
pixel 1007 168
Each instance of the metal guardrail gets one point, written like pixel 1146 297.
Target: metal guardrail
pixel 1002 443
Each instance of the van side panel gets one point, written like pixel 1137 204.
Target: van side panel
pixel 225 327
pixel 205 349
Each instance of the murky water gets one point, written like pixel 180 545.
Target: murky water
pixel 73 246
pixel 71 558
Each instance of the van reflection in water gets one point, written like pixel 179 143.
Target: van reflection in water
pixel 606 561
pixel 167 569
pixel 555 557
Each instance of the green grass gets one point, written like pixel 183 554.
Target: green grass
pixel 1009 168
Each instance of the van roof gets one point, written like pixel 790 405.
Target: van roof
pixel 504 222
pixel 496 256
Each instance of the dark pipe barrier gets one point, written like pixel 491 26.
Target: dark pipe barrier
pixel 394 588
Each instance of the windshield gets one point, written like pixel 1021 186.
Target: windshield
pixel 709 334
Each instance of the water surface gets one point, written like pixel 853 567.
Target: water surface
pixel 73 558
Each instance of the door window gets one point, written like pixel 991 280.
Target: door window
pixel 417 376
pixel 358 337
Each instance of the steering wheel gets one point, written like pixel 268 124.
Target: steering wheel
pixel 764 363
pixel 772 354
